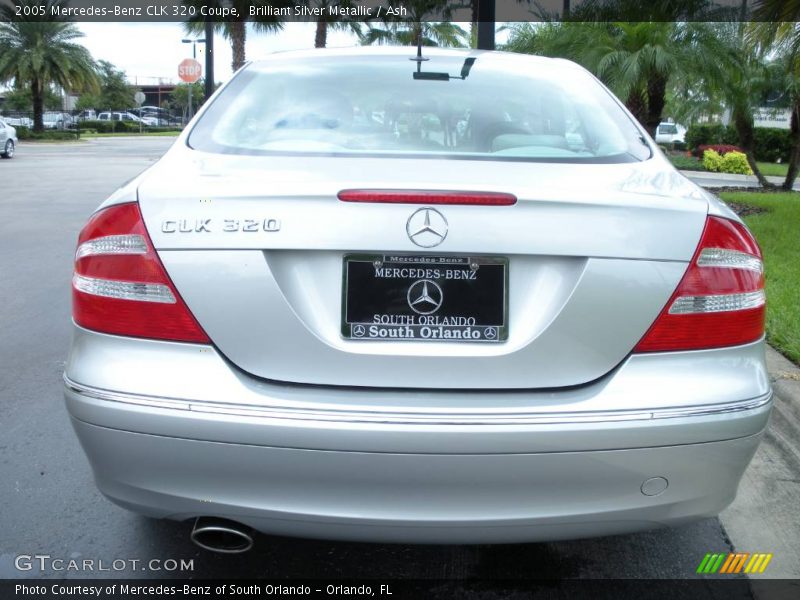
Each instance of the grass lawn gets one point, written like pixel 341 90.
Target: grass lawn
pixel 70 141
pixel 777 169
pixel 129 134
pixel 686 163
pixel 778 233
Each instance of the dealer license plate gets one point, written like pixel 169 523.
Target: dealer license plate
pixel 425 298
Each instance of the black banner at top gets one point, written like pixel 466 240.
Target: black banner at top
pixel 399 10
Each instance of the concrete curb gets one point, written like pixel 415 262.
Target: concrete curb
pixel 763 518
pixel 730 178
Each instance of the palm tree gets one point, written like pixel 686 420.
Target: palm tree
pixel 332 22
pixel 782 39
pixel 234 30
pixel 737 73
pixel 776 11
pixel 418 29
pixel 38 54
pixel 636 60
pixel 411 34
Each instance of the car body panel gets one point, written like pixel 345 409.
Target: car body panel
pixel 7 134
pixel 566 240
pixel 193 391
pixel 415 498
pixel 561 431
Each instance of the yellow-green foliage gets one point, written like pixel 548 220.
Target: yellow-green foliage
pixel 712 160
pixel 735 162
pixel 731 162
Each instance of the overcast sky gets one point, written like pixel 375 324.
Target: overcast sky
pixel 148 50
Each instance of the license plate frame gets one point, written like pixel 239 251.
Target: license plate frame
pixel 482 308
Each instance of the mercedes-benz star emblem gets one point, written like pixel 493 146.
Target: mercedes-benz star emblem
pixel 359 330
pixel 424 297
pixel 427 227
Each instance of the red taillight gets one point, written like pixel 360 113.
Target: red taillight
pixel 428 197
pixel 120 286
pixel 720 300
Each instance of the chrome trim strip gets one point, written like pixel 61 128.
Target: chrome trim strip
pixel 284 413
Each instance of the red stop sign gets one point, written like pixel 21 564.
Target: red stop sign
pixel 189 70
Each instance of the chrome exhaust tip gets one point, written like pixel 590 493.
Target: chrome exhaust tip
pixel 222 535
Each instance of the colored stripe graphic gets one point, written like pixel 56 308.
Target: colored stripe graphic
pixel 754 560
pixel 734 562
pixel 730 564
pixel 710 563
pixel 702 567
pixel 727 564
pixel 740 563
pixel 763 565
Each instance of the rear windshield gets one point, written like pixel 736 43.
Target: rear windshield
pixel 448 106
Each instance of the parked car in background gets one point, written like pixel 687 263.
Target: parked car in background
pixel 670 133
pixel 494 313
pixel 57 120
pixel 8 140
pixel 119 116
pixel 19 121
pixel 86 115
pixel 157 117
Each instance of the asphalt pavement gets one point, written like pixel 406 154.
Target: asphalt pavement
pixel 51 506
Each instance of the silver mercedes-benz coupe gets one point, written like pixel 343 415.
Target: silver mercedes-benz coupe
pixel 451 297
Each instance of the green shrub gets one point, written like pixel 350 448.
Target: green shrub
pixel 771 144
pixel 709 134
pixel 110 126
pixel 712 160
pixel 162 129
pixel 24 133
pixel 735 162
pixel 98 126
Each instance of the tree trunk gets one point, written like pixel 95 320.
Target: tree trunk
pixel 794 158
pixel 635 103
pixel 321 36
pixel 417 33
pixel 473 27
pixel 37 93
pixel 656 99
pixel 238 38
pixel 743 122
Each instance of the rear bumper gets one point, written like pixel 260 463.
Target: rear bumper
pixel 415 466
pixel 419 498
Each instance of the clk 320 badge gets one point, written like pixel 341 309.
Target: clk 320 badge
pixel 229 225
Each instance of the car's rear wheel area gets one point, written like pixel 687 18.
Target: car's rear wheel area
pixel 8 150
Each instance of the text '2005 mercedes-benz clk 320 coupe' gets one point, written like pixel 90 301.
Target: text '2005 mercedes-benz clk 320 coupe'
pixel 458 297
